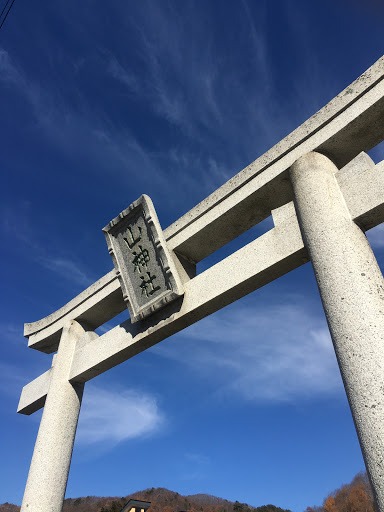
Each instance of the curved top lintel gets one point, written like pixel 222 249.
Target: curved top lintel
pixel 35 327
pixel 348 124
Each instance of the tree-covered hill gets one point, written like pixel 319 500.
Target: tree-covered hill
pixel 162 500
pixel 353 497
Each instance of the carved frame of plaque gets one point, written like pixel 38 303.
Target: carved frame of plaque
pixel 143 264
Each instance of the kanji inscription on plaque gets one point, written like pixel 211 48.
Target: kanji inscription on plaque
pixel 147 274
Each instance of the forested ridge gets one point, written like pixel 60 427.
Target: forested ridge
pixel 354 497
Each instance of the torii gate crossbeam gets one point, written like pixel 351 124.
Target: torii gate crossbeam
pixel 320 214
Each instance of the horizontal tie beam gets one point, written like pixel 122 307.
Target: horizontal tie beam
pixel 268 257
pixel 352 122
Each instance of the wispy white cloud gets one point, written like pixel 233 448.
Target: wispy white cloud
pixel 12 332
pixel 15 223
pixel 125 77
pixel 41 103
pixel 68 269
pixel 269 353
pixel 197 458
pixel 196 466
pixel 84 131
pixel 259 45
pixel 10 373
pixel 228 108
pixel 80 130
pixel 8 72
pixel 177 69
pixel 113 417
pixel 184 95
pixel 12 380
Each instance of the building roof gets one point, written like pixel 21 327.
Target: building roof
pixel 136 503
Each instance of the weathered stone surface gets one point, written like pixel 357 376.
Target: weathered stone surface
pixel 34 394
pixel 268 257
pixel 362 185
pixel 352 122
pixel 351 286
pixel 48 474
pixel 96 305
pixel 333 210
pixel 147 275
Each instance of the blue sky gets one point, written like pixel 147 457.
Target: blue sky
pixel 103 101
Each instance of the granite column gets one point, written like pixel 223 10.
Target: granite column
pixel 48 473
pixel 351 286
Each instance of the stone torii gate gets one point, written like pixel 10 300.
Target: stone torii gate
pixel 323 191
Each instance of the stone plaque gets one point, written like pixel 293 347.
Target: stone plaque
pixel 147 274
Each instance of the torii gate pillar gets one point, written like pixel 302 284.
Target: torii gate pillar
pixel 352 292
pixel 48 474
pixel 332 223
